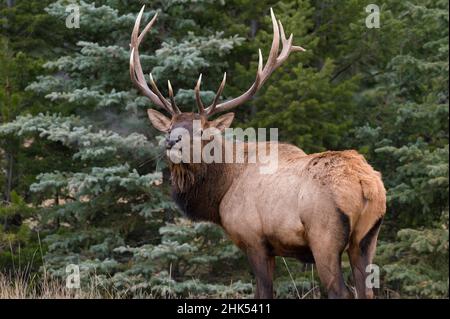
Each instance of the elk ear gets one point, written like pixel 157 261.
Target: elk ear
pixel 159 120
pixel 223 122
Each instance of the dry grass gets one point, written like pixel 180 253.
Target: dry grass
pixel 25 287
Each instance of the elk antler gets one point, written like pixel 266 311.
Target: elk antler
pixel 262 74
pixel 273 62
pixel 137 75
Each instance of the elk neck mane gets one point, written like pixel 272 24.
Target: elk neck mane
pixel 199 188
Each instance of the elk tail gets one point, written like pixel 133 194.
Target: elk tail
pixel 373 211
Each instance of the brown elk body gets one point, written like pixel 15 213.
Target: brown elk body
pixel 313 208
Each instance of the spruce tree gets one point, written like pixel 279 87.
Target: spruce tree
pixel 25 38
pixel 104 209
pixel 405 134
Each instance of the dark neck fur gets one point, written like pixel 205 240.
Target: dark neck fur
pixel 198 189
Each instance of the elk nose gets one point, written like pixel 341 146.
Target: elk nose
pixel 171 142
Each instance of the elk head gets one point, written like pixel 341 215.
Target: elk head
pixel 184 120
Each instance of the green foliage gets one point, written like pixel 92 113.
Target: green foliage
pixel 103 210
pixel 18 243
pixel 408 140
pixel 416 265
pixel 411 97
pixel 30 29
pixel 184 252
pixel 307 107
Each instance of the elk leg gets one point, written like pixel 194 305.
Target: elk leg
pixel 263 267
pixel 330 273
pixel 327 249
pixel 361 255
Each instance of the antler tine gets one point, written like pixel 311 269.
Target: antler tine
pixel 283 35
pixel 159 94
pixel 172 99
pixel 211 108
pixel 200 105
pixel 274 60
pixel 225 106
pixel 136 73
pixel 287 46
pixel 147 27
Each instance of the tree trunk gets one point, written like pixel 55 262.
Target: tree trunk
pixel 9 176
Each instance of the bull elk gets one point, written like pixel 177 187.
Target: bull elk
pixel 313 208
